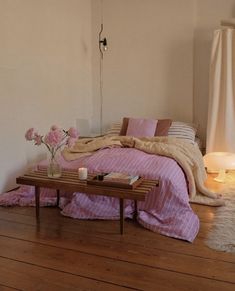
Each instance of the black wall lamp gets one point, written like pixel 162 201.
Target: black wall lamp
pixel 103 45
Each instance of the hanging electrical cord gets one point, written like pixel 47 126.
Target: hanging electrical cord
pixel 101 86
pixel 102 48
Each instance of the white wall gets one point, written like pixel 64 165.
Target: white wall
pixel 208 13
pixel 157 64
pixel 148 68
pixel 45 74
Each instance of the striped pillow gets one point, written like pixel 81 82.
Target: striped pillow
pixel 114 129
pixel 183 131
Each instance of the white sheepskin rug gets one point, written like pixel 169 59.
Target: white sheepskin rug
pixel 222 235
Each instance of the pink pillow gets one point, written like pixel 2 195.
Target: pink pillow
pixel 141 127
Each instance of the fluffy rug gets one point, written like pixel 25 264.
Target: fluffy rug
pixel 222 235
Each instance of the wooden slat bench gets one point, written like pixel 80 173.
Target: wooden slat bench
pixel 69 182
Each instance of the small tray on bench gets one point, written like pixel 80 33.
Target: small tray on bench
pixel 97 182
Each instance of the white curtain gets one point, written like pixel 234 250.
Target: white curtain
pixel 221 113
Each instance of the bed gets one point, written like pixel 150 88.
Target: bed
pixel 166 209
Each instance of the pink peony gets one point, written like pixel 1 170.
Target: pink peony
pixel 72 132
pixel 54 137
pixel 30 133
pixel 37 139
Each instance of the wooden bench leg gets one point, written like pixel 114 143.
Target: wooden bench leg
pixel 37 201
pixel 136 210
pixel 58 197
pixel 121 215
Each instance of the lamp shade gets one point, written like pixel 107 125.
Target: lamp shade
pixel 216 161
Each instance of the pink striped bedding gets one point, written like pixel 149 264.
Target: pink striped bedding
pixel 166 209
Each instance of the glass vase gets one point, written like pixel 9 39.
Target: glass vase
pixel 54 169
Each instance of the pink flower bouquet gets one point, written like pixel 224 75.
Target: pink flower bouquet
pixel 54 140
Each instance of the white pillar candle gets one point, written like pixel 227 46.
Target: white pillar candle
pixel 82 173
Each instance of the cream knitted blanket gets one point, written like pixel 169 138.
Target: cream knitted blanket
pixel 185 154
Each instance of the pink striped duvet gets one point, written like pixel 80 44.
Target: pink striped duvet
pixel 166 209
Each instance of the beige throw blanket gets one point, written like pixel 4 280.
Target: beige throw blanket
pixel 185 154
pixel 87 146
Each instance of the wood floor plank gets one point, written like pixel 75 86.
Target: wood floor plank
pixel 6 288
pixel 206 213
pixel 95 227
pixel 134 234
pixel 106 229
pixel 168 260
pixel 22 276
pixel 111 271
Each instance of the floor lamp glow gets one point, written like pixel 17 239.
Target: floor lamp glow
pixel 219 162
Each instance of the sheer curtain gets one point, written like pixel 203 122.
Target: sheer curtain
pixel 221 113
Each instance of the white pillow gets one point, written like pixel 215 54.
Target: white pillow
pixel 114 129
pixel 183 131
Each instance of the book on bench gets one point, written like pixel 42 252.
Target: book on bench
pixel 120 178
pixel 114 179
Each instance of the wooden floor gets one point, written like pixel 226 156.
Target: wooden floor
pixel 68 254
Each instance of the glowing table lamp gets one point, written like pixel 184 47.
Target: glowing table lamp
pixel 219 162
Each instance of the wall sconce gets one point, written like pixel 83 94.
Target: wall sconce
pixel 219 162
pixel 103 45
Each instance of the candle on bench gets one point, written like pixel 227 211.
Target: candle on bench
pixel 82 173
